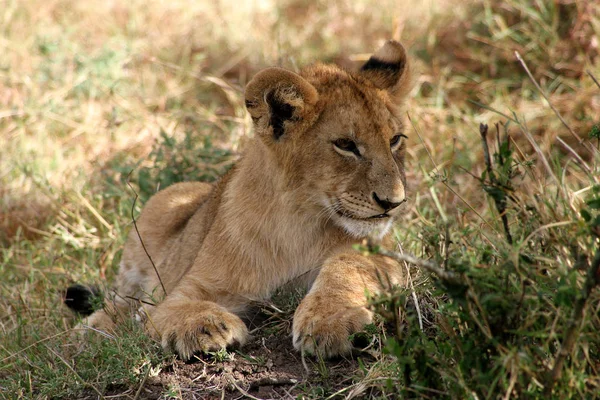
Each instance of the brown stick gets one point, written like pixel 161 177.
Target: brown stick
pixel 593 78
pixel 500 203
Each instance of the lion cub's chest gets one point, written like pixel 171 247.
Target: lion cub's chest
pixel 278 244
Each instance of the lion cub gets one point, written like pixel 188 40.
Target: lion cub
pixel 324 170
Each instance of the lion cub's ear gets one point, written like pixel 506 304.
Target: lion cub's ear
pixel 276 97
pixel 389 69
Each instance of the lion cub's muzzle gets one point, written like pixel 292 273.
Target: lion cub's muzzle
pixel 367 209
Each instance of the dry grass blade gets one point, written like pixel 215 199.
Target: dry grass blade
pixel 140 236
pixel 593 78
pixel 242 391
pixel 448 187
pixel 577 157
pixel 575 135
pixel 540 153
pixel 5 359
pixel 139 391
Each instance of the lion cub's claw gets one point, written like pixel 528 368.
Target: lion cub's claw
pixel 325 329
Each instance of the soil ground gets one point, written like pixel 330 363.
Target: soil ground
pixel 267 367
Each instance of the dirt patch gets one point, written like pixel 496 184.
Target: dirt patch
pixel 267 368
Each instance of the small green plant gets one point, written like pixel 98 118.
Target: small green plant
pixel 173 391
pixel 222 355
pixel 257 360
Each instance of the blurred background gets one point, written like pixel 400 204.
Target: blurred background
pixel 84 84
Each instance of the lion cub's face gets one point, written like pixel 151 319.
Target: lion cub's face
pixel 338 137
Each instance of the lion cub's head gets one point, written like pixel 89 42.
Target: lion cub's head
pixel 337 137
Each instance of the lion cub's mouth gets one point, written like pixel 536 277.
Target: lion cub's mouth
pixel 345 213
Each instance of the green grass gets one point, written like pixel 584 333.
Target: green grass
pixel 105 364
pixel 94 97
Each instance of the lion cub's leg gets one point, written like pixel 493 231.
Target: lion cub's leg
pixel 187 327
pixel 335 307
pixel 113 313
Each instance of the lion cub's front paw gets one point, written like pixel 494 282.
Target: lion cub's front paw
pixel 323 326
pixel 187 328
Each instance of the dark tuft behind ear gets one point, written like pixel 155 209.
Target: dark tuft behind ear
pixel 280 112
pixel 277 97
pixel 389 69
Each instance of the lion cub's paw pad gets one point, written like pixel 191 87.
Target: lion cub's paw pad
pixel 328 334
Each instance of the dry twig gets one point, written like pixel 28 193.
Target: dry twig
pixel 593 78
pixel 445 275
pixel 499 202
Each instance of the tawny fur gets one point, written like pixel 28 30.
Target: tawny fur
pixel 295 202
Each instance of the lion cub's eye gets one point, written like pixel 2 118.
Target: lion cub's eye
pixel 396 140
pixel 346 145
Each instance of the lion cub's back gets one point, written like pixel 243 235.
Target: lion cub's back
pixel 167 212
pixel 163 218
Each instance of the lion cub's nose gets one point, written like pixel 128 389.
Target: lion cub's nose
pixel 386 204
